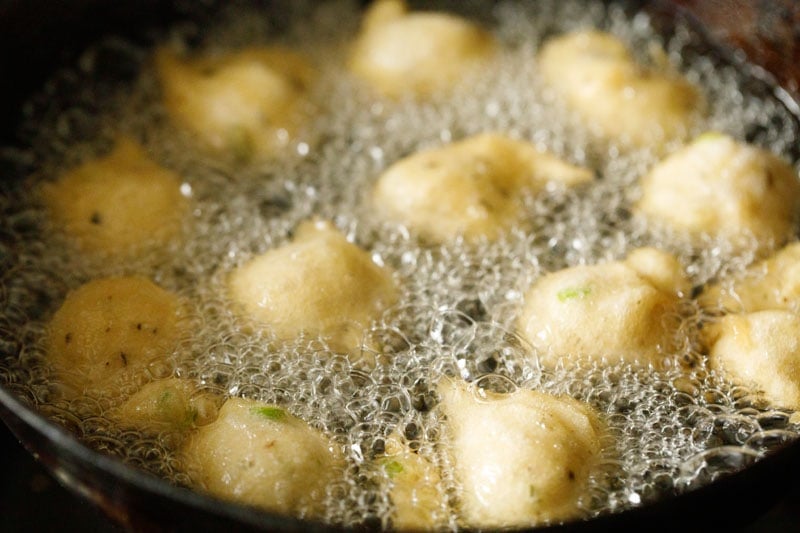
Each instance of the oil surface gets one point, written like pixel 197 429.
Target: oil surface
pixel 672 428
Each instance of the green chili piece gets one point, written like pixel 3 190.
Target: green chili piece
pixel 392 468
pixel 570 293
pixel 272 413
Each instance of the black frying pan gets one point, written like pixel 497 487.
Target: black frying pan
pixel 36 36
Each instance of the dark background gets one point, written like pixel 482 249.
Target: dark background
pixel 32 500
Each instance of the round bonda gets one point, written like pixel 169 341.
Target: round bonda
pixel 760 350
pixel 319 284
pixel 247 103
pixel 108 333
pixel 261 455
pixel 724 188
pixel 600 80
pixel 120 204
pixel 617 311
pixel 401 53
pixel 520 459
pixel 473 188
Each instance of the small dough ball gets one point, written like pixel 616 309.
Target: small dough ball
pixel 724 188
pixel 598 78
pixel 118 204
pixel 617 311
pixel 106 335
pixel 260 455
pixel 520 459
pixel 417 492
pixel 246 103
pixel 171 403
pixel 473 188
pixel 759 349
pixel 401 53
pixel 319 284
pixel 770 284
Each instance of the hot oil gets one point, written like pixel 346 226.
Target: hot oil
pixel 670 428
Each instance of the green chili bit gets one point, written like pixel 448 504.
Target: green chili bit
pixel 570 293
pixel 272 413
pixel 392 468
pixel 165 398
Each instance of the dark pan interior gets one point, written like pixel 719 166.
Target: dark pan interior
pixel 36 37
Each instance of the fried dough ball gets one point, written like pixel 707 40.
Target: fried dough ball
pixel 770 284
pixel 724 188
pixel 247 103
pixel 617 311
pixel 598 78
pixel 319 284
pixel 106 335
pixel 760 349
pixel 521 459
pixel 472 188
pixel 260 455
pixel 171 403
pixel 416 488
pixel 401 53
pixel 117 204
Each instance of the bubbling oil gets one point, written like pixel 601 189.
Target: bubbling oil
pixel 671 428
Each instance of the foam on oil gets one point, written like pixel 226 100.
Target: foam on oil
pixel 671 428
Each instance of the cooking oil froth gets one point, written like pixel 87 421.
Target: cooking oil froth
pixel 671 429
